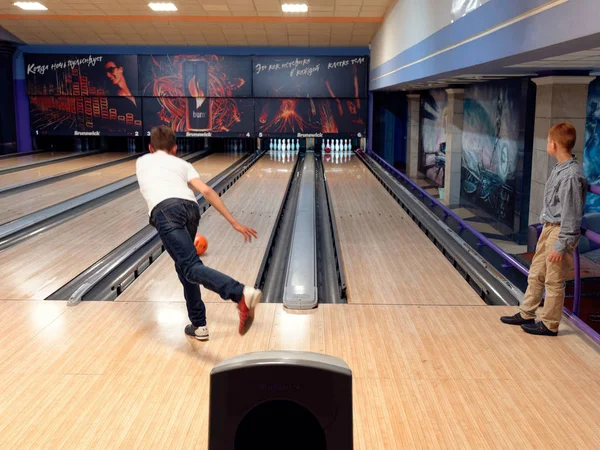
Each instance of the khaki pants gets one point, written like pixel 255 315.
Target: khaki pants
pixel 551 276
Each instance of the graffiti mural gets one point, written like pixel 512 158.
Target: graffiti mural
pixel 432 151
pixel 492 139
pixel 591 152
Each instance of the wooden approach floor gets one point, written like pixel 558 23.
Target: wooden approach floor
pixel 123 375
pixel 28 175
pixel 37 267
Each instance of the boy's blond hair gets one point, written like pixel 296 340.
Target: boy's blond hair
pixel 564 134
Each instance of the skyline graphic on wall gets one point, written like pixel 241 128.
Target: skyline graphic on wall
pixel 91 116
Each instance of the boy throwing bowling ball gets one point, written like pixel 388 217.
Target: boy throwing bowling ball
pixel 166 182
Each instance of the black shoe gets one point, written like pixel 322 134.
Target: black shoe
pixel 538 329
pixel 200 333
pixel 516 320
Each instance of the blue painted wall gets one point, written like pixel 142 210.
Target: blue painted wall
pixel 389 127
pixel 7 116
pixel 567 27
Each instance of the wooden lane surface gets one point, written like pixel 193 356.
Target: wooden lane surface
pixel 123 375
pixel 387 258
pixel 26 202
pixel 38 266
pixel 254 201
pixel 29 159
pixel 24 176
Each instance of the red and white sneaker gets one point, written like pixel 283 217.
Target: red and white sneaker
pixel 250 299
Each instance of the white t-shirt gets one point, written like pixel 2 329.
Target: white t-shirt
pixel 162 176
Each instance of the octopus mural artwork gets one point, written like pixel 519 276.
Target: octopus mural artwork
pixel 491 140
pixel 434 117
pixel 591 152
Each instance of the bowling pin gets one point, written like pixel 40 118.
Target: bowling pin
pixel 323 146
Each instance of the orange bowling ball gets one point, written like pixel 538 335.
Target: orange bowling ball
pixel 201 244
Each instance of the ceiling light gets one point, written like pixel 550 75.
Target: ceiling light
pixel 162 7
pixel 291 8
pixel 31 6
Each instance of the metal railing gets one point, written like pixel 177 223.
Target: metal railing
pixel 509 260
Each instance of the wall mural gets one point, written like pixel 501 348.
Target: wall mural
pixel 82 75
pixel 198 95
pixel 316 77
pixel 193 75
pixel 591 152
pixel 307 117
pixel 223 117
pixel 461 8
pixel 85 116
pixel 432 152
pixel 492 138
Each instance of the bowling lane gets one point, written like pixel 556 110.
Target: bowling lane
pixel 38 266
pixel 387 258
pixel 36 173
pixel 13 206
pixel 254 200
pixel 29 159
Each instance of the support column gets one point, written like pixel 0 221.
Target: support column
pixel 413 135
pixel 21 102
pixel 454 129
pixel 370 119
pixel 558 99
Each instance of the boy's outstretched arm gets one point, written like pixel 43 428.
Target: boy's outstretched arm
pixel 213 198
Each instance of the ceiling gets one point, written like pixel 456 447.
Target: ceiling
pixel 197 22
pixel 587 61
pixel 583 60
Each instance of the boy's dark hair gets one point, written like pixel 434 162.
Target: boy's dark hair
pixel 162 138
pixel 564 134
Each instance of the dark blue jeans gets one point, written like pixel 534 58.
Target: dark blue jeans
pixel 176 221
